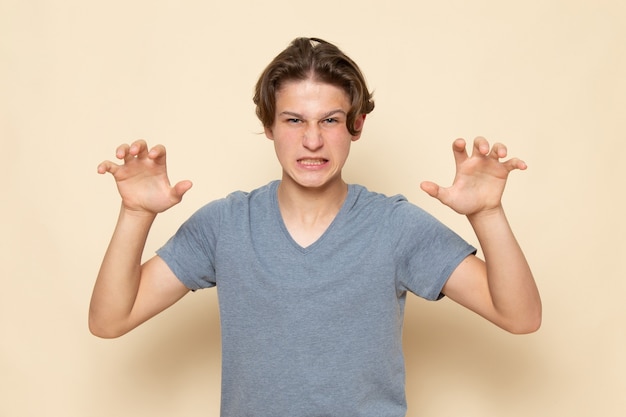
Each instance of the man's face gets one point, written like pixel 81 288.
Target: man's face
pixel 310 136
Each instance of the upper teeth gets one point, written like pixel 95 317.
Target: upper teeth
pixel 312 161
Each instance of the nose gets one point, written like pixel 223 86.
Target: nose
pixel 312 139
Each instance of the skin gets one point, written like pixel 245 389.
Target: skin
pixel 127 293
pixel 312 145
pixel 501 288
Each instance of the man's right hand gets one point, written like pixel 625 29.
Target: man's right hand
pixel 142 179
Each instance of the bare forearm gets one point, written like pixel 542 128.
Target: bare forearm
pixel 511 284
pixel 117 284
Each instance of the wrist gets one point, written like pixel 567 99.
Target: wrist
pixel 137 215
pixel 487 215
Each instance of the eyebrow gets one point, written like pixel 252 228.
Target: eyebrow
pixel 324 116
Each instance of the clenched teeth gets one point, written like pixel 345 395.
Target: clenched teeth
pixel 312 161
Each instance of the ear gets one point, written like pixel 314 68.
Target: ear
pixel 268 133
pixel 358 126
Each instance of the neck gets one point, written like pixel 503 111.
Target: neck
pixel 307 212
pixel 310 202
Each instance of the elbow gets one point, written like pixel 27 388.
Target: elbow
pixel 526 328
pixel 103 330
pixel 102 334
pixel 529 324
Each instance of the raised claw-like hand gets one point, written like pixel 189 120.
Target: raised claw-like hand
pixel 142 179
pixel 480 178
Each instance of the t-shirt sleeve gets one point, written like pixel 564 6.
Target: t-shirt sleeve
pixel 190 253
pixel 427 251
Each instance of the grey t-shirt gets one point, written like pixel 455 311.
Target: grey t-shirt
pixel 313 331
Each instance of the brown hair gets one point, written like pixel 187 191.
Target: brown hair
pixel 312 58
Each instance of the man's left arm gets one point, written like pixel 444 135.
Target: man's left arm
pixel 501 288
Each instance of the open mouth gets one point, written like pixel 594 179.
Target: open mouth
pixel 313 162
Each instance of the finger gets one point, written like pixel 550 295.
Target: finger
pixel 122 151
pixel 157 154
pixel 459 150
pixel 481 146
pixel 515 163
pixel 139 149
pixel 498 151
pixel 107 166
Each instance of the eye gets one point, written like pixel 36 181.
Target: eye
pixel 293 120
pixel 330 120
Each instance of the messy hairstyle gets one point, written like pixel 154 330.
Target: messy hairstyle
pixel 322 61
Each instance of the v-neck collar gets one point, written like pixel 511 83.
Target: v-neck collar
pixel 350 196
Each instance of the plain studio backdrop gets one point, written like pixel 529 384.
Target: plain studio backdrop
pixel 77 78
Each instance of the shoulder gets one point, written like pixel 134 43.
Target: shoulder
pixel 394 214
pixel 240 200
pixel 232 208
pixel 261 194
pixel 397 204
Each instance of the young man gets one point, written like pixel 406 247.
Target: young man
pixel 312 273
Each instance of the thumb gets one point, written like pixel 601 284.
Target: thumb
pixel 430 188
pixel 181 188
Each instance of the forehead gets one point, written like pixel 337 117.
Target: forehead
pixel 311 94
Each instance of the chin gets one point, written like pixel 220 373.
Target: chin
pixel 314 182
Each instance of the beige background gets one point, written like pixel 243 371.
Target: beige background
pixel 77 78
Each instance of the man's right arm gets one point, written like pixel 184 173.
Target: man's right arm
pixel 127 292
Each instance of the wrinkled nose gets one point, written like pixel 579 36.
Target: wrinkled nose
pixel 312 139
